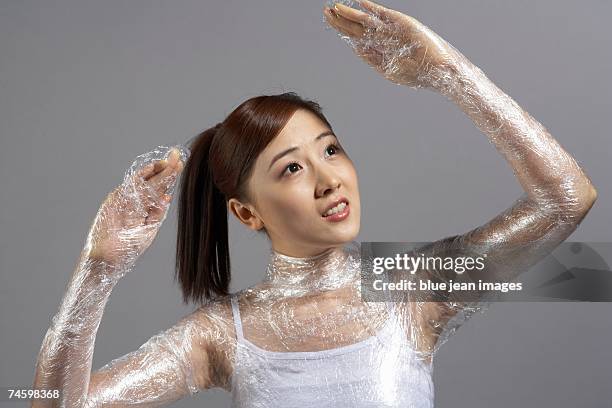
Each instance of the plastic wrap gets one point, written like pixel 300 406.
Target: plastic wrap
pixel 304 336
pixel 124 227
pixel 557 193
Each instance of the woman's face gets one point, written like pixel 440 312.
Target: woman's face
pixel 301 173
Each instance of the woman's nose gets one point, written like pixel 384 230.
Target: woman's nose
pixel 328 181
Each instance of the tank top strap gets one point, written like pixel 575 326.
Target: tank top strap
pixel 237 320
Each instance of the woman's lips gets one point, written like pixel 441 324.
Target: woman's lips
pixel 339 216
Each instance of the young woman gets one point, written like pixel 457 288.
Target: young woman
pixel 303 336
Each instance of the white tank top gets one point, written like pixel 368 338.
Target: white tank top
pixel 380 371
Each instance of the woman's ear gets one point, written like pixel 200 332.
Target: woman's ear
pixel 246 214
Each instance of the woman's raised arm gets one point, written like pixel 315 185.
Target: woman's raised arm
pixel 557 192
pixel 169 365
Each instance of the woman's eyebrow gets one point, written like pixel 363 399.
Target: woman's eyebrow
pixel 291 149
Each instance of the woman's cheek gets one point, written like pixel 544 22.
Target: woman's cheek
pixel 288 206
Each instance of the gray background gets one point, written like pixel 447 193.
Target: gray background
pixel 86 86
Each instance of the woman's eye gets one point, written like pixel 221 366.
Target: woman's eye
pixel 292 168
pixel 333 148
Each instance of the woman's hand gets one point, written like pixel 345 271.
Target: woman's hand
pixel 130 216
pixel 398 46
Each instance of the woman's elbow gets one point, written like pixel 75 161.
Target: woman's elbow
pixel 586 200
pixel 576 206
pixel 592 197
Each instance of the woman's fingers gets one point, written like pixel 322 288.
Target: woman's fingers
pixel 381 12
pixel 352 14
pixel 149 170
pixel 354 23
pixel 153 181
pixel 343 24
pixel 173 157
pixel 146 171
pixel 153 168
pixel 162 181
pixel 156 213
pixel 147 188
pixel 390 15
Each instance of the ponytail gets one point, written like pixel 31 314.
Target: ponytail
pixel 202 251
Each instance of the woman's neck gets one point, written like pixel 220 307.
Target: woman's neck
pixel 332 269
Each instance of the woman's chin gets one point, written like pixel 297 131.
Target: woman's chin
pixel 341 234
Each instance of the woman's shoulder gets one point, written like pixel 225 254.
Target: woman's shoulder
pixel 216 310
pixel 217 313
pixel 252 293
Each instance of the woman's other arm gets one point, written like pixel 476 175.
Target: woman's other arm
pixel 557 192
pixel 126 224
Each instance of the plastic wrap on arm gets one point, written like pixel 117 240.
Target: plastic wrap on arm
pixel 124 227
pixel 557 193
pixel 169 366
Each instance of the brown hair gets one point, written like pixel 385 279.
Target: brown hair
pixel 218 168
